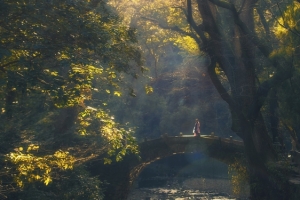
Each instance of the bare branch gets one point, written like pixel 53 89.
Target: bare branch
pixel 217 83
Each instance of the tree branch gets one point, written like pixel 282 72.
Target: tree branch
pixel 173 28
pixel 94 3
pixel 265 87
pixel 241 8
pixel 263 21
pixel 278 78
pixel 217 83
pixel 263 90
pixel 223 4
pixel 295 31
pixel 7 64
pixel 191 21
pixel 256 41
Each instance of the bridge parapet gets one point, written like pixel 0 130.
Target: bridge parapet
pixel 212 135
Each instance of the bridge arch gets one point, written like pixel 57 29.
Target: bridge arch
pixel 123 174
pixel 225 150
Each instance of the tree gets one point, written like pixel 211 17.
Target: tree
pixel 232 35
pixel 54 57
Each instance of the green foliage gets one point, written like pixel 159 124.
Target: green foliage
pixel 30 168
pixel 63 49
pixel 287 30
pixel 56 57
pixel 239 177
pixel 148 89
pixel 117 140
pixel 178 98
pixel 159 45
pixel 72 184
pixel 80 185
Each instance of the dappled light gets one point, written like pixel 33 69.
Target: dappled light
pixel 95 94
pixel 30 168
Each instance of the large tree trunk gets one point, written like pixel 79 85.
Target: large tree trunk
pixel 236 58
pixel 245 98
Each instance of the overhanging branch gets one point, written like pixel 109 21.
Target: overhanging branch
pixel 217 83
pixel 266 51
pixel 173 28
pixel 191 21
pixel 277 79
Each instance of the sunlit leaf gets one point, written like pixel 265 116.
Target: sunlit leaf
pixel 117 93
pixel 32 168
pixel 148 89
pixel 107 161
pixel 47 181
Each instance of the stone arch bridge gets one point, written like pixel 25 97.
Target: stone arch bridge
pixel 121 175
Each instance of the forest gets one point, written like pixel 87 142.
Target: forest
pixel 84 82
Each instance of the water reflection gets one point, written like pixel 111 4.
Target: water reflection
pixel 184 176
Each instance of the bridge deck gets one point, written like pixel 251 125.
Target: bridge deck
pixel 206 137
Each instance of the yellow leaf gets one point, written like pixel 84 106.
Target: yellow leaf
pixel 148 89
pixel 35 147
pixel 107 161
pixel 47 180
pixel 117 93
pixel 20 183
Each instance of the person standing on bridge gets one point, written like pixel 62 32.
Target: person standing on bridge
pixel 196 129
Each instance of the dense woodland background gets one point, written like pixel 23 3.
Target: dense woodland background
pixel 86 80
